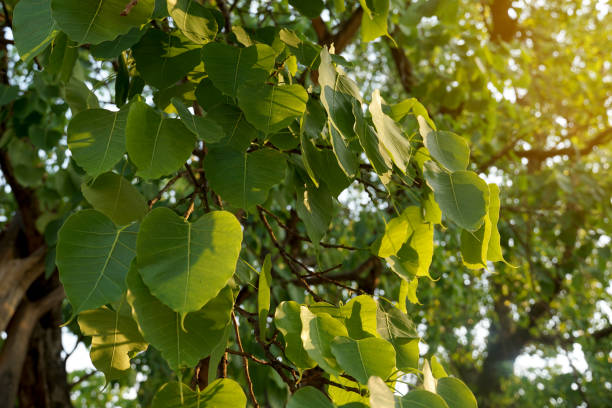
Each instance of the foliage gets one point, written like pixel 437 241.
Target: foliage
pixel 273 221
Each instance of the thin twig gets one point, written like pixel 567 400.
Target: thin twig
pixel 288 258
pixel 245 361
pixel 129 7
pixel 164 189
pixel 303 238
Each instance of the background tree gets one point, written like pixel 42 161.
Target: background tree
pixel 236 107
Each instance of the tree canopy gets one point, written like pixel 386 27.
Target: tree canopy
pixel 305 203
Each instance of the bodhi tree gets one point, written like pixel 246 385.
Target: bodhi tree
pixel 228 208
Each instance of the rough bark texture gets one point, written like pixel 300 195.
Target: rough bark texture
pixel 32 370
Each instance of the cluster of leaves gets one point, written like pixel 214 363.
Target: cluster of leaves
pixel 256 121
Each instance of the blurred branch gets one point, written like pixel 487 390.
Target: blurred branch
pixel 343 36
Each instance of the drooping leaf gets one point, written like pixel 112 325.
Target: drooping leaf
pixel 96 138
pixel 395 327
pixel 346 158
pixel 115 338
pixel 372 146
pixel 223 392
pixel 390 135
pixel 314 207
pixel 33 27
pixel 95 21
pixel 374 19
pixel 456 393
pixel 380 394
pixel 318 332
pixel 198 258
pixel 338 93
pixel 494 252
pixel 115 197
pixel 244 179
pixel 203 127
pixel 161 326
pixel 474 246
pixel 263 296
pixel 287 321
pixel 436 368
pixel 448 149
pixel 309 397
pixel 157 146
pixel 163 58
pixel 462 195
pixel 364 358
pixel 271 108
pixel 229 67
pixel 194 20
pixel 93 257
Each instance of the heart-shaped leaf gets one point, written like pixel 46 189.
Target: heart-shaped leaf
pixel 93 257
pixel 223 392
pixel 186 264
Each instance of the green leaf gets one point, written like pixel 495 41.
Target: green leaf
pixel 364 358
pixel 111 49
pixel 271 108
pixel 391 136
pixel 380 394
pixel 223 392
pixel 77 95
pixel 373 148
pixel 203 127
pixel 360 314
pixel 462 195
pixel 162 58
pixel 93 257
pixel 287 320
pixel 309 8
pixel 229 67
pixel 157 146
pixel 347 159
pixel 115 197
pixel 448 149
pixel 306 51
pixel 494 252
pixel 244 179
pixel 374 19
pixel 238 132
pixel 314 207
pixel 198 258
pixel 8 94
pixel 161 326
pixel 94 21
pixel 456 393
pixel 33 27
pixel 217 353
pixel 338 93
pixel 194 20
pixel 309 397
pixel 318 332
pixel 115 338
pixel 208 96
pixel 474 246
pixel 436 368
pixel 96 138
pixel 421 399
pixel 263 296
pixel 395 327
